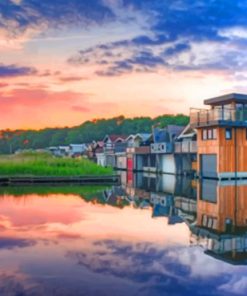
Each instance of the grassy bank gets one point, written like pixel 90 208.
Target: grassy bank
pixel 44 164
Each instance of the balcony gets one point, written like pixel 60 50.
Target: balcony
pixel 218 116
pixel 159 148
pixel 186 147
pixel 139 150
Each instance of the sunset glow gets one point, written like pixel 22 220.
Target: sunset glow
pixel 65 62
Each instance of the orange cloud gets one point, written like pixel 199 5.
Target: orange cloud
pixel 37 108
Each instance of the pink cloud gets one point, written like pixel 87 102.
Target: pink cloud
pixel 3 84
pixel 82 109
pixel 36 108
pixel 72 78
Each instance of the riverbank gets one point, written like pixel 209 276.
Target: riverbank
pixel 45 166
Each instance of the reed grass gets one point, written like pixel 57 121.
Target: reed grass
pixel 44 164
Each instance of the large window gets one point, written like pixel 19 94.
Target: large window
pixel 228 133
pixel 209 134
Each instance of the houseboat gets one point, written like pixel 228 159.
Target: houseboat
pixel 221 219
pixel 222 137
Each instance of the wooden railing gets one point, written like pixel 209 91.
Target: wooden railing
pixel 200 117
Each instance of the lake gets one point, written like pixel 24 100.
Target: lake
pixel 150 236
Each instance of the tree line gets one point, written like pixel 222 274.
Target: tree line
pixel 12 140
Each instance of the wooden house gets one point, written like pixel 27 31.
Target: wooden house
pixel 222 137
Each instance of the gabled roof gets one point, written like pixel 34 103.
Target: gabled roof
pixel 144 136
pixel 115 138
pixel 167 133
pixel 175 130
pixel 188 132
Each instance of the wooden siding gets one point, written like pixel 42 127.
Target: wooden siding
pixel 225 150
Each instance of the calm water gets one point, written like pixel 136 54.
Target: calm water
pixel 151 236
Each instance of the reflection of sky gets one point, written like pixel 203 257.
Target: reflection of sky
pixel 60 245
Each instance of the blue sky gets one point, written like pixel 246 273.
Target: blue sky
pixel 109 54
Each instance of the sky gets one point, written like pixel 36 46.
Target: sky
pixel 64 62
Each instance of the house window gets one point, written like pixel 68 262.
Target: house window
pixel 214 133
pixel 228 133
pixel 210 134
pixel 204 134
pixel 209 222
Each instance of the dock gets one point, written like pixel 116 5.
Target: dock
pixel 82 180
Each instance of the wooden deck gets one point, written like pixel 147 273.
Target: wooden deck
pixel 83 180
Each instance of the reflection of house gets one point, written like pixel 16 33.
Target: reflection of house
pixel 163 206
pixel 115 196
pixel 222 219
pixel 222 141
pixel 222 207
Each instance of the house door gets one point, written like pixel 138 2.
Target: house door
pixel 130 164
pixel 208 165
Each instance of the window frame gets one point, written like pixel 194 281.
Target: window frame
pixel 204 134
pixel 210 134
pixel 228 129
pixel 214 133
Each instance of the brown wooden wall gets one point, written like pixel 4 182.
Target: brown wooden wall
pixel 231 203
pixel 225 150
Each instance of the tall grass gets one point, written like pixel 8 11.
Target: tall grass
pixel 44 164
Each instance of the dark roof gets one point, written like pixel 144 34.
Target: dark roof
pixel 175 129
pixel 228 98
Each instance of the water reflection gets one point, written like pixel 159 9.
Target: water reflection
pixel 151 236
